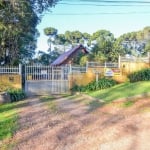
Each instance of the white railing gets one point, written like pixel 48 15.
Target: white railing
pixel 102 65
pixel 146 59
pixel 135 59
pixel 10 70
pixel 75 69
pixel 38 72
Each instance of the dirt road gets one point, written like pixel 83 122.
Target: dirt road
pixel 75 126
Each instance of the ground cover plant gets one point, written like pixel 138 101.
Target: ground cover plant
pixel 16 94
pixel 102 83
pixel 142 75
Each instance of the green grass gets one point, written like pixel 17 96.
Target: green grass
pixel 8 119
pixel 124 90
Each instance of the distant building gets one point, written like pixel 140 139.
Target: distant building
pixel 68 56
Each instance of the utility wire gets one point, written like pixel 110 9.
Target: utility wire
pixel 103 5
pixel 97 13
pixel 110 1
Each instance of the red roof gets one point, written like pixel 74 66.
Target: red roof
pixel 67 55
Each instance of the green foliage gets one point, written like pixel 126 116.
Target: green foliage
pixel 142 75
pixel 18 33
pixel 147 46
pixel 101 84
pixel 16 94
pixel 103 47
pixel 83 60
pixel 102 34
pixel 50 31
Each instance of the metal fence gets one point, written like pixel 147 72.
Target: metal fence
pixel 78 69
pixel 10 70
pixel 135 59
pixel 37 72
pixel 46 79
pixel 102 65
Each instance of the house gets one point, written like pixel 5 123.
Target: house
pixel 68 56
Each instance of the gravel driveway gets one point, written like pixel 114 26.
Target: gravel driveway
pixel 74 126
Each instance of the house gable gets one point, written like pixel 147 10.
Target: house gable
pixel 67 57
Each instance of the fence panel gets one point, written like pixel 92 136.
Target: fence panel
pixel 46 79
pixel 78 69
pixel 102 65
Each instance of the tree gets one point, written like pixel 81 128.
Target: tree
pixel 103 45
pixel 18 34
pixel 47 58
pixel 74 37
pixel 51 33
pixel 86 39
pixel 147 47
pixel 60 40
pixel 117 49
pixel 102 34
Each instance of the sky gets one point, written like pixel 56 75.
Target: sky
pixel 89 16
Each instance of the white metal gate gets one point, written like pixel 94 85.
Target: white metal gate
pixel 46 80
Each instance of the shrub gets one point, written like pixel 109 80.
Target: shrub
pixel 103 83
pixel 16 94
pixel 142 75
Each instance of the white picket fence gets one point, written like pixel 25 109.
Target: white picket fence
pixel 102 65
pixel 10 70
pixel 135 59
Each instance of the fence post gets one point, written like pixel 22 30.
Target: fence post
pixel 119 61
pixel 105 64
pixel 70 68
pixel 20 69
pixel 148 58
pixel 23 76
pixel 87 66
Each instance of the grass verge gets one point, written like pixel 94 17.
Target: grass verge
pixel 9 119
pixel 124 90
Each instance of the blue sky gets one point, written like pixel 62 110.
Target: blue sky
pixel 90 16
